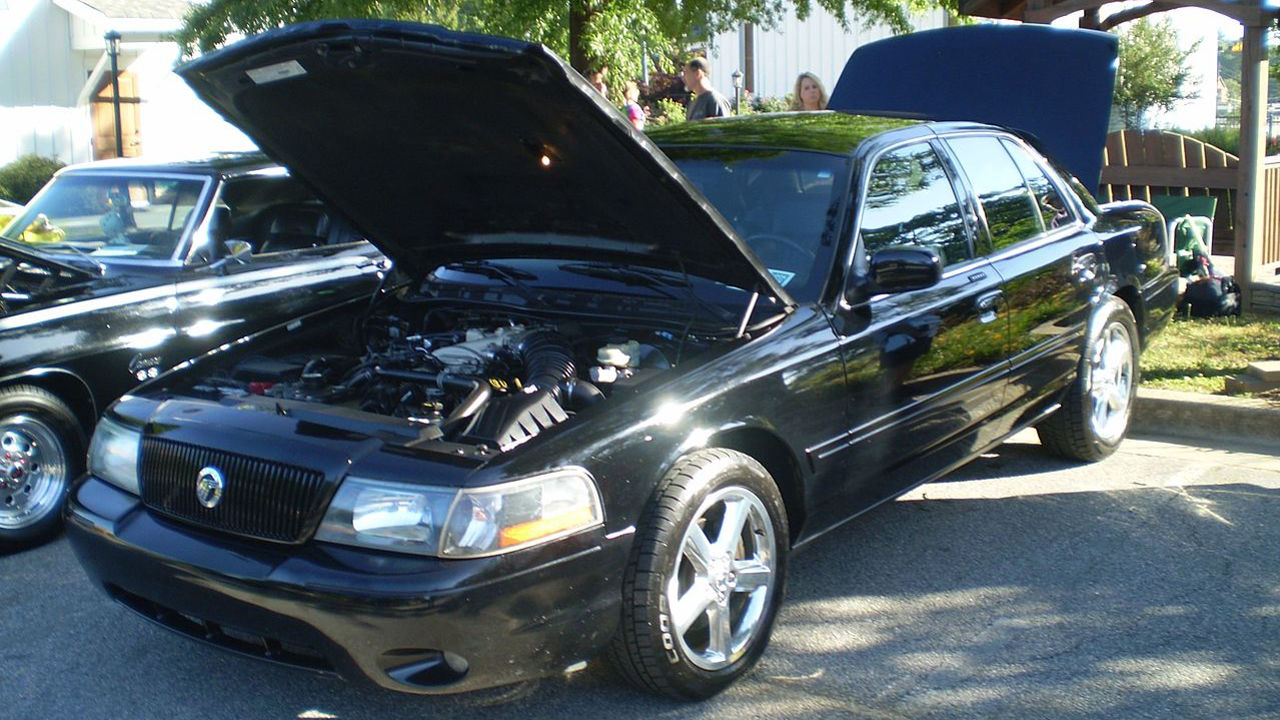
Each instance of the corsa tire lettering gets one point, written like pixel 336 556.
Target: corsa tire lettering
pixel 664 627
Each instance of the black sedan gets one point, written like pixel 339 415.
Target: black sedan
pixel 119 270
pixel 614 386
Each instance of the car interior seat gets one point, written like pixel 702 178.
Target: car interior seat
pixel 292 226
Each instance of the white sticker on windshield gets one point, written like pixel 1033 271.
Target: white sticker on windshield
pixel 279 71
pixel 782 276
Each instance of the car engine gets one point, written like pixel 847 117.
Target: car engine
pixel 475 379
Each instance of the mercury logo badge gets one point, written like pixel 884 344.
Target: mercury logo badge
pixel 209 486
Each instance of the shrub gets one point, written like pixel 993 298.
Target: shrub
pixel 772 104
pixel 22 178
pixel 668 111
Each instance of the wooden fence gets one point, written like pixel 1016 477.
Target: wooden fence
pixel 1139 164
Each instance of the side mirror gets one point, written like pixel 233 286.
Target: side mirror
pixel 905 267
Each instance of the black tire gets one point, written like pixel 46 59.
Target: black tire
pixel 742 584
pixel 1095 412
pixel 42 448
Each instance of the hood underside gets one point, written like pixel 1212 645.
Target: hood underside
pixel 446 146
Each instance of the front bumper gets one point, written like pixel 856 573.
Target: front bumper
pixel 413 624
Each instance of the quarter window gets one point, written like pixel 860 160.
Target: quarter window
pixel 910 201
pixel 1012 213
pixel 1053 210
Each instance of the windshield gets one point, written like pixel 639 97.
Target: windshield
pixel 109 216
pixel 783 203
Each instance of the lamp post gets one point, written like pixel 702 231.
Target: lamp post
pixel 737 92
pixel 113 49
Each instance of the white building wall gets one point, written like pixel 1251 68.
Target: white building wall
pixel 46 57
pixel 816 45
pixel 40 77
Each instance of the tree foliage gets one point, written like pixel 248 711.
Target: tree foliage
pixel 618 34
pixel 1153 70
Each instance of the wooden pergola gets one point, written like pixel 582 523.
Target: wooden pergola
pixel 1255 16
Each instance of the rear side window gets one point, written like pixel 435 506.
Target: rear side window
pixel 910 201
pixel 1012 213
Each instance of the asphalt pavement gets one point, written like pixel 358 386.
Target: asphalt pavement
pixel 1144 586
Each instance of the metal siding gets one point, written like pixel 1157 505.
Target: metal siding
pixel 40 79
pixel 816 45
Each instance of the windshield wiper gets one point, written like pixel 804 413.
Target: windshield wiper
pixel 32 255
pixel 661 281
pixel 512 277
pixel 68 246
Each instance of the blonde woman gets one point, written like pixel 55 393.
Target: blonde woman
pixel 809 93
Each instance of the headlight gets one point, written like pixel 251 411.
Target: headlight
pixel 447 522
pixel 113 455
pixel 514 515
pixel 390 515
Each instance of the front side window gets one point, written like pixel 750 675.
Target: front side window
pixel 109 216
pixel 910 201
pixel 1012 213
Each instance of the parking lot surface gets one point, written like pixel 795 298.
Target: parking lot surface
pixel 1146 586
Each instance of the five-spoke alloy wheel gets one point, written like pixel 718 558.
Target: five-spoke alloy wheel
pixel 705 578
pixel 1095 411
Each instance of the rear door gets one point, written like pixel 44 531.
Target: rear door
pixel 1051 265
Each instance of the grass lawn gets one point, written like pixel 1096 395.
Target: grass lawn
pixel 1199 355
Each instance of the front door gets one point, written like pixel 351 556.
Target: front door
pixel 102 109
pixel 924 368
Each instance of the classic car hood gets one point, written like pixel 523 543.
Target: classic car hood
pixel 447 146
pixel 1053 83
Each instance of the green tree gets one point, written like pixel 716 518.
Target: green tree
pixel 1153 70
pixel 616 34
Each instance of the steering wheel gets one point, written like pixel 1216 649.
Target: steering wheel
pixel 780 240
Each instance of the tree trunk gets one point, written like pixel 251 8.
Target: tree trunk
pixel 579 14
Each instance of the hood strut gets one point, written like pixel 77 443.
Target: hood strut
pixel 746 315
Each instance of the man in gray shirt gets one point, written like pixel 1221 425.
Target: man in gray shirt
pixel 708 102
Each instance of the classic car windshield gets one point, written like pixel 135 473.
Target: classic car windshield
pixel 109 216
pixel 783 203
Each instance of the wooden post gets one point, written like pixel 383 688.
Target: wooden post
pixel 1253 108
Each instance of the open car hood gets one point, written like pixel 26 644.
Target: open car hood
pixel 1052 83
pixel 445 146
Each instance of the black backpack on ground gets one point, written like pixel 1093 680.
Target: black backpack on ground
pixel 1211 297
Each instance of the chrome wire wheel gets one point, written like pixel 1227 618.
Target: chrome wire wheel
pixel 1111 377
pixel 725 573
pixel 33 470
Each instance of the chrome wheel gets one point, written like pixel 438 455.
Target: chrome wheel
pixel 33 471
pixel 724 575
pixel 1111 379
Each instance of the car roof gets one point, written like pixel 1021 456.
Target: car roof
pixel 226 163
pixel 822 131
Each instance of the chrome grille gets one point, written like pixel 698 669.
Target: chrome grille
pixel 262 499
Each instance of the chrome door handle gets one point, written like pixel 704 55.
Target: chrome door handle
pixel 987 305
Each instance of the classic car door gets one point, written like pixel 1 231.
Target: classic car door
pixel 924 368
pixel 1051 264
pixel 267 288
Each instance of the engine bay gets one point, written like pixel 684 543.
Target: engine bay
pixel 485 378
